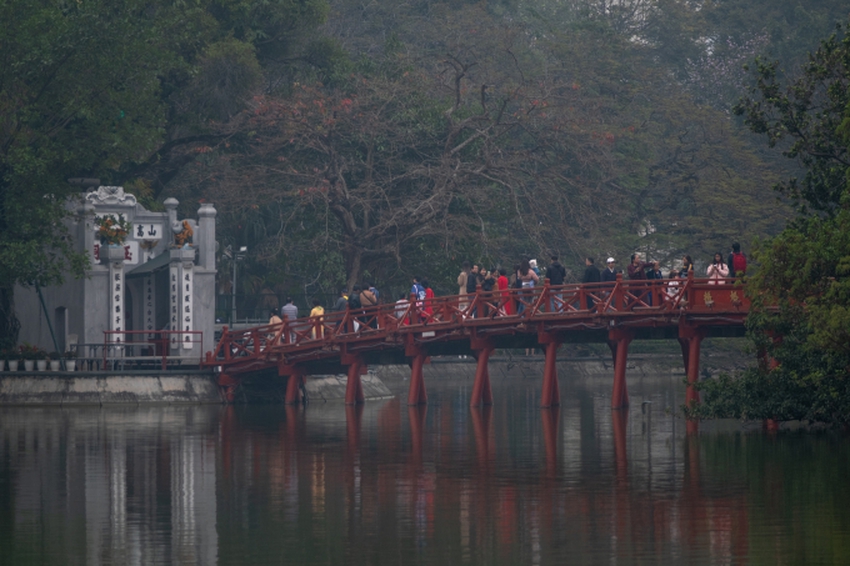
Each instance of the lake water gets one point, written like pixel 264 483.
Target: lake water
pixel 442 484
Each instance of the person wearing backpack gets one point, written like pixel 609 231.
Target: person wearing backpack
pixel 417 292
pixel 369 299
pixel 737 261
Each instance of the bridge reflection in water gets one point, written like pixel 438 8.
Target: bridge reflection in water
pixel 439 483
pixel 447 483
pixel 613 313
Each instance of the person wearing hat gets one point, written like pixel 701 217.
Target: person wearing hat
pixel 609 274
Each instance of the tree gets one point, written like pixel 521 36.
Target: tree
pixel 800 317
pixel 78 94
pixel 573 142
pixel 112 90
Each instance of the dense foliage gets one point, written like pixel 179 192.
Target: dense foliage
pixel 801 293
pixel 108 90
pixel 342 140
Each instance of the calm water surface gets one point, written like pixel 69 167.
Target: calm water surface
pixel 445 485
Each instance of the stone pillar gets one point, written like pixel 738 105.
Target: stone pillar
pixel 113 257
pixel 205 271
pixel 149 305
pixel 205 240
pixel 180 292
pixel 171 205
pixel 86 233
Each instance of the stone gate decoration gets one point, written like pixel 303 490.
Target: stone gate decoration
pixel 160 277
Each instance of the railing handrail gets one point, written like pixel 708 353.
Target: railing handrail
pixel 164 340
pixel 378 322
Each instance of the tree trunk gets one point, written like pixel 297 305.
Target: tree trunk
pixel 353 257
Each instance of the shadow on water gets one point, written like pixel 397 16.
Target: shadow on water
pixel 386 483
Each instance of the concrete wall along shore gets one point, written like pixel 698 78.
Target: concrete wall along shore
pixel 143 387
pixel 200 386
pixel 98 388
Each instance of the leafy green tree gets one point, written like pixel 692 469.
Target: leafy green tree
pixel 122 91
pixel 79 94
pixel 801 293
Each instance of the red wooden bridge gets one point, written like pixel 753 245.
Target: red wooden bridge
pixel 615 313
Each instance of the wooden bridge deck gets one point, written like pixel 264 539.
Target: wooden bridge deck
pixel 614 313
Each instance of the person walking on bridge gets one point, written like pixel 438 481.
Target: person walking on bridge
pixel 289 312
pixel 718 271
pixel 502 283
pixel 736 262
pixel 341 302
pixel 472 281
pixel 317 316
pixel 461 284
pixel 637 272
pixel 556 273
pixel 591 275
pixel 609 275
pixel 528 279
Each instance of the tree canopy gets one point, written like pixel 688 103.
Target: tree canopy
pixel 801 293
pixel 343 140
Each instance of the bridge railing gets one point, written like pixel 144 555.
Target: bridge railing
pixel 508 306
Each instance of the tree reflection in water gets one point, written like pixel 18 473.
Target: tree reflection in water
pixel 439 483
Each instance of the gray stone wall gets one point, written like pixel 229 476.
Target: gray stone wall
pixel 107 388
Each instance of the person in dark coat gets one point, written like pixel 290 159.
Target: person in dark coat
pixel 591 275
pixel 556 273
pixel 637 272
pixel 609 274
pixel 637 268
pixel 654 274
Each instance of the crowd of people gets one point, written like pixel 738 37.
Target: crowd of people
pixel 508 293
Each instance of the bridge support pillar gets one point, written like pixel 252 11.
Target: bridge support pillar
pixel 550 420
pixel 294 385
pixel 227 387
pixel 690 339
pixel 417 394
pixel 551 394
pixel 618 341
pixel 482 393
pixel 354 387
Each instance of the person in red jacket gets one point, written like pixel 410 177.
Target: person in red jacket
pixel 502 285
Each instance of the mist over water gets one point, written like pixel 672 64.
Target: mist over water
pixel 442 484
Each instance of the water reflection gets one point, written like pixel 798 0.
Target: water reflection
pixel 441 483
pixel 108 487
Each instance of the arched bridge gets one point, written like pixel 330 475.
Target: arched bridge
pixel 615 313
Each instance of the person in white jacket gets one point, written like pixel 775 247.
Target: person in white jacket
pixel 718 271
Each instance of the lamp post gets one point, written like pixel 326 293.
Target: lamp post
pixel 237 257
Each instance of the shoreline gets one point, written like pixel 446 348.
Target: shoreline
pixel 197 386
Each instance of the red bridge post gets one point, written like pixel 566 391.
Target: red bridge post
pixel 550 420
pixel 294 383
pixel 551 393
pixel 353 387
pixel 482 393
pixel 416 395
pixel 227 387
pixel 618 341
pixel 690 338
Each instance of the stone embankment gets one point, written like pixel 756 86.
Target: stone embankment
pixel 141 387
pixel 192 386
pixel 98 388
